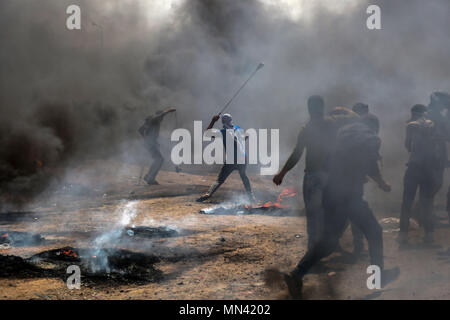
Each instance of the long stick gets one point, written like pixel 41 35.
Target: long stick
pixel 260 66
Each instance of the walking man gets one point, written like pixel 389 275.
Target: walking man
pixel 355 157
pixel 150 132
pixel 424 171
pixel 317 138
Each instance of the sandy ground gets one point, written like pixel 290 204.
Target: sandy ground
pixel 219 256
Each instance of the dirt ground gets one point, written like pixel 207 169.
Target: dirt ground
pixel 218 256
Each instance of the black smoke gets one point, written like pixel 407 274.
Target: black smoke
pixel 66 95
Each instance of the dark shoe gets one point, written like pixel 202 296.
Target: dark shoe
pixel 152 183
pixel 389 275
pixel 294 285
pixel 204 197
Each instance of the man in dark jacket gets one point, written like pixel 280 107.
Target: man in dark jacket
pixel 425 142
pixel 150 132
pixel 317 139
pixel 355 157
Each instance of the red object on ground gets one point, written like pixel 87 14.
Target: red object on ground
pixel 70 253
pixel 286 193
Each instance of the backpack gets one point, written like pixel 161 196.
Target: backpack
pixel 356 151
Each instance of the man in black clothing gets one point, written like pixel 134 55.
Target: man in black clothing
pixel 424 172
pixel 150 132
pixel 355 157
pixel 316 138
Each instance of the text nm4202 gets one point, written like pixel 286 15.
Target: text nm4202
pixel 233 309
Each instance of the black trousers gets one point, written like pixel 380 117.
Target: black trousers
pixel 341 207
pixel 226 170
pixel 157 161
pixel 429 182
pixel 314 184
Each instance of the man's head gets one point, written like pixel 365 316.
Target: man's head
pixel 418 111
pixel 316 107
pixel 227 121
pixel 439 101
pixel 361 108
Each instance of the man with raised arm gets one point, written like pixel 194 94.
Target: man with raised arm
pixel 150 132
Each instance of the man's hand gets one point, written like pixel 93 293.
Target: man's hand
pixel 278 179
pixel 170 109
pixel 386 187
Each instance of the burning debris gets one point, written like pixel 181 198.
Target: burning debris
pixel 105 264
pixel 20 239
pixel 284 205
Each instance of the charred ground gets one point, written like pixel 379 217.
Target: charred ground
pixel 189 255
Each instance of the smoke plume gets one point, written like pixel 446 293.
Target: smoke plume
pixel 67 95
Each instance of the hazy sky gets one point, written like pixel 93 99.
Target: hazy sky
pixel 194 54
pixel 159 10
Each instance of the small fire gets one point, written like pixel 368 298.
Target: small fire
pixel 286 201
pixel 69 253
pixel 286 193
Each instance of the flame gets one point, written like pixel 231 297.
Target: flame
pixel 70 253
pixel 285 194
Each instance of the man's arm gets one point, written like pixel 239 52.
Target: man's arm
pixel 374 169
pixel 409 135
pixel 164 113
pixel 378 178
pixel 143 130
pixel 294 158
pixel 212 133
pixel 213 121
